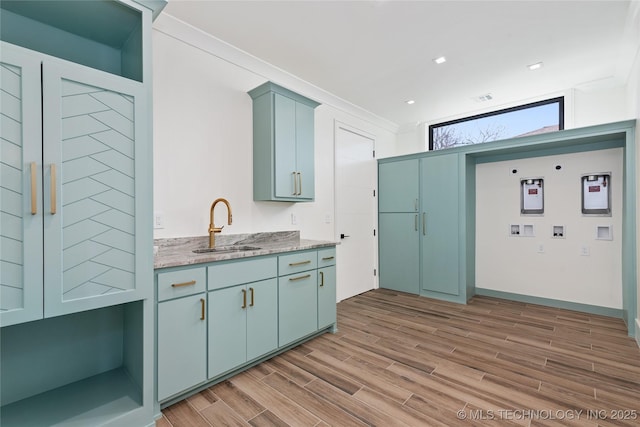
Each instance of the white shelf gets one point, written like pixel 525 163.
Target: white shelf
pixel 92 401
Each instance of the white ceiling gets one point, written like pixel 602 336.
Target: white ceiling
pixel 378 54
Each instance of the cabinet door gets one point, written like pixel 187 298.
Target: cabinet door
pixel 326 296
pixel 399 247
pixel 20 188
pixel 304 151
pixel 227 329
pixel 440 221
pixel 262 318
pixel 181 345
pixel 96 191
pixel 285 146
pixel 298 306
pixel 398 184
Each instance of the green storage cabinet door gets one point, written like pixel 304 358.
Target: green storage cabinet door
pixel 182 338
pixel 262 318
pixel 398 186
pixel 227 329
pixel 399 251
pixel 440 235
pixel 96 197
pixel 298 306
pixel 304 151
pixel 20 215
pixel 326 296
pixel 285 146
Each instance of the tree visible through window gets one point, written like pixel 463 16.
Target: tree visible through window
pixel 524 120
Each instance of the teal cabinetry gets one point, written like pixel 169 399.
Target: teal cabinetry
pixel 283 146
pixel 398 186
pixel 399 251
pixel 76 238
pixel 182 330
pixel 297 296
pixel 243 312
pixel 79 195
pixel 255 308
pixel 326 288
pixel 419 226
pixel 440 217
pixel 243 324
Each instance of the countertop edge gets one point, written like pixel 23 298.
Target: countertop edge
pixel 189 258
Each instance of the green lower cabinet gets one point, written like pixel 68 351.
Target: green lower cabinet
pixel 399 251
pixel 182 333
pixel 298 306
pixel 326 296
pixel 440 235
pixel 243 324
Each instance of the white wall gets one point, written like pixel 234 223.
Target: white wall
pixel 513 264
pixel 203 140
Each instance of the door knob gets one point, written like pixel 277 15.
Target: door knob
pixel 342 235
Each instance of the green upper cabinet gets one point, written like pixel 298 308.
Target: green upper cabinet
pixel 21 253
pixel 283 146
pixel 398 184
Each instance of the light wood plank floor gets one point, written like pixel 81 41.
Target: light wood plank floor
pixel 403 360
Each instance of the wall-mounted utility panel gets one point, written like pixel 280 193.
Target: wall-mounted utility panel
pixel 596 194
pixel 531 196
pixel 528 230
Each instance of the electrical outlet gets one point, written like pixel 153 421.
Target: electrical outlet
pixel 158 220
pixel 584 250
pixel 540 248
pixel 294 219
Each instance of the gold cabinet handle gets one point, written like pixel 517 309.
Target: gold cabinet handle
pixel 293 279
pixel 53 189
pixel 416 223
pixel 327 258
pixel 34 199
pixel 321 279
pixel 202 316
pixel 424 223
pixel 295 184
pixel 251 303
pixel 299 184
pixel 293 264
pixel 244 298
pixel 179 285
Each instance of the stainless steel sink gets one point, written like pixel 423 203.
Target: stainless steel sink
pixel 226 249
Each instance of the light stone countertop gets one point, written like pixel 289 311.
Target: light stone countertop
pixel 173 252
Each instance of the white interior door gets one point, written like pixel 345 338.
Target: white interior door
pixel 355 211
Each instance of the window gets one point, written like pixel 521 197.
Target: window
pixel 524 120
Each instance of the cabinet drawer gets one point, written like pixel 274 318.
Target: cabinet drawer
pixel 326 257
pixel 180 283
pixel 241 271
pixel 296 262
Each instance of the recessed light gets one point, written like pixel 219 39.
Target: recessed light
pixel 410 101
pixel 440 60
pixel 535 66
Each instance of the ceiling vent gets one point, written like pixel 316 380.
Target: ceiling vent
pixel 483 98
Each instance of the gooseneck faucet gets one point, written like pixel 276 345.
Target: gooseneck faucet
pixel 212 228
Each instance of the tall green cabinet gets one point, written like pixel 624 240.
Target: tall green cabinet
pixel 75 234
pixel 421 240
